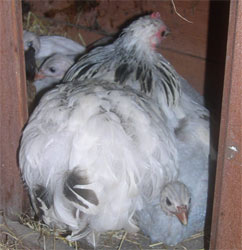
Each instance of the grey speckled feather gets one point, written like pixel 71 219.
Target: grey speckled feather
pixel 194 165
pixel 194 173
pixel 132 60
pixel 98 149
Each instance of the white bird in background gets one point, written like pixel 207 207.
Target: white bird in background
pixel 38 48
pixel 51 72
pixel 46 46
pixel 91 153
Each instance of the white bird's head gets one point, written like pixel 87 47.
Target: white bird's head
pixel 146 33
pixel 175 200
pixel 54 67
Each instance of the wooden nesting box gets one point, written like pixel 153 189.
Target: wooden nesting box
pixel 207 52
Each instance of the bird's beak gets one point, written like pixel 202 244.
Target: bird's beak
pixel 182 214
pixel 39 76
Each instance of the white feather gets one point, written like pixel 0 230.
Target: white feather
pixel 112 134
pixel 46 46
pixel 193 145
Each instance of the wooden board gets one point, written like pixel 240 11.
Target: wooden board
pixel 227 212
pixel 13 111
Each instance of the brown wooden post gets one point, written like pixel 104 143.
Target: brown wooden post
pixel 13 105
pixel 227 221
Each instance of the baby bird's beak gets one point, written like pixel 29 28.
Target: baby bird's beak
pixel 182 214
pixel 39 76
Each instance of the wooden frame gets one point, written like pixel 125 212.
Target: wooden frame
pixel 13 105
pixel 226 225
pixel 227 222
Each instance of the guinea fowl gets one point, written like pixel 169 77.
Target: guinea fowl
pixel 194 162
pixel 52 71
pixel 194 173
pixel 92 153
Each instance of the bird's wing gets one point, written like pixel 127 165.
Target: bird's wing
pixel 57 44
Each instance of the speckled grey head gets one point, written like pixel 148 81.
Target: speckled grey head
pixel 175 200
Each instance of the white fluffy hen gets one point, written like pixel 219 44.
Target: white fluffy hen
pixel 132 60
pixel 91 153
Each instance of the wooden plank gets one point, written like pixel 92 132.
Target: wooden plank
pixel 227 221
pixel 185 37
pixel 13 112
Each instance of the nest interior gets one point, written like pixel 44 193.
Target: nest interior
pixel 191 49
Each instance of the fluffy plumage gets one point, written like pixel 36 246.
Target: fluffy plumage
pixel 132 60
pixel 138 166
pixel 167 229
pixel 92 153
pixel 193 161
pixel 46 46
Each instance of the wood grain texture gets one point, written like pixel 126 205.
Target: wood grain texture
pixel 227 221
pixel 13 112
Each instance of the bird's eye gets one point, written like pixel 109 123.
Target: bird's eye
pixel 168 202
pixel 163 33
pixel 30 43
pixel 52 69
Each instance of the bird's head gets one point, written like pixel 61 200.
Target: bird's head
pixel 54 67
pixel 146 33
pixel 160 34
pixel 175 200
